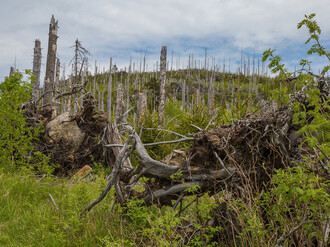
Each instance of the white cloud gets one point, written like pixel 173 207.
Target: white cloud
pixel 121 28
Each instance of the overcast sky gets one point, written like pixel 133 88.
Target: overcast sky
pixel 127 28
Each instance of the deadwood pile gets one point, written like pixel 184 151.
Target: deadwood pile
pixel 226 157
pixel 239 158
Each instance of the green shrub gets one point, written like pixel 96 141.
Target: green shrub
pixel 16 148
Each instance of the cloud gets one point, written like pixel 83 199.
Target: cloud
pixel 123 29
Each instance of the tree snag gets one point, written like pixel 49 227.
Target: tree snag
pixel 162 81
pixel 51 57
pixel 36 69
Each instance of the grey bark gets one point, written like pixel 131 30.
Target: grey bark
pixel 36 69
pixel 142 106
pixel 56 89
pixel 68 106
pixel 162 81
pixel 119 103
pixel 51 57
pixel 109 92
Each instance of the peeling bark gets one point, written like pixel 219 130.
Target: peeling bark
pixel 162 81
pixel 36 69
pixel 51 57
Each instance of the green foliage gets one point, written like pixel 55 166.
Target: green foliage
pixel 311 115
pixel 314 31
pixel 295 194
pixel 16 149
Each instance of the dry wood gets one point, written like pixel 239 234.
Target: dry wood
pixel 51 57
pixel 142 106
pixel 114 137
pixel 109 98
pixel 112 178
pixel 162 81
pixel 120 105
pixel 36 69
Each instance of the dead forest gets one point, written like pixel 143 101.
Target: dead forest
pixel 178 132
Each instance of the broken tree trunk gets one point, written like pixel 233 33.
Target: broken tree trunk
pixel 109 92
pixel 141 106
pixel 114 137
pixel 120 106
pixel 162 81
pixel 11 71
pixel 36 70
pixel 51 57
pixel 55 105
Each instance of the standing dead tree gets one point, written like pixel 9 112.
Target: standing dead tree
pixel 36 69
pixel 109 92
pixel 162 81
pixel 120 105
pixel 55 105
pixel 141 106
pixel 51 57
pixel 80 57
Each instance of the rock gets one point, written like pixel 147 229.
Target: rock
pixel 63 129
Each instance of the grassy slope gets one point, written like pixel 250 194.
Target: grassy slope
pixel 28 217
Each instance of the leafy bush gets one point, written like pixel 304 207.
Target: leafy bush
pixel 16 148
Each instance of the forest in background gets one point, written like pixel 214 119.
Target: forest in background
pixel 188 157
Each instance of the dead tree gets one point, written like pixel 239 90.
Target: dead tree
pixel 183 94
pixel 120 105
pixel 36 69
pixel 109 92
pixel 141 106
pixel 80 55
pixel 11 71
pixel 51 57
pixel 162 81
pixel 55 105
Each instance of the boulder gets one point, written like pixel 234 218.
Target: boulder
pixel 64 129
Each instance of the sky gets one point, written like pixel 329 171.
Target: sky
pixel 133 28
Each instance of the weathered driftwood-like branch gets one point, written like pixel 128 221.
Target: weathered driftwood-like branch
pixel 51 57
pixel 280 241
pixel 112 178
pixel 36 69
pixel 114 137
pixel 176 189
pixel 188 175
pixel 156 143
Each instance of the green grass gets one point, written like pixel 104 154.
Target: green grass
pixel 28 217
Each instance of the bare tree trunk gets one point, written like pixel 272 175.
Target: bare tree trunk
pixel 127 99
pixel 76 62
pixel 55 105
pixel 119 103
pixel 162 80
pixel 94 81
pixel 11 71
pixel 210 96
pixel 69 97
pixel 141 106
pixel 109 92
pixel 51 57
pixel 183 94
pixel 36 69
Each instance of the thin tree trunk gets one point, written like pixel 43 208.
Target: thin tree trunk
pixel 142 106
pixel 109 92
pixel 55 105
pixel 162 80
pixel 119 103
pixel 36 69
pixel 69 97
pixel 51 57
